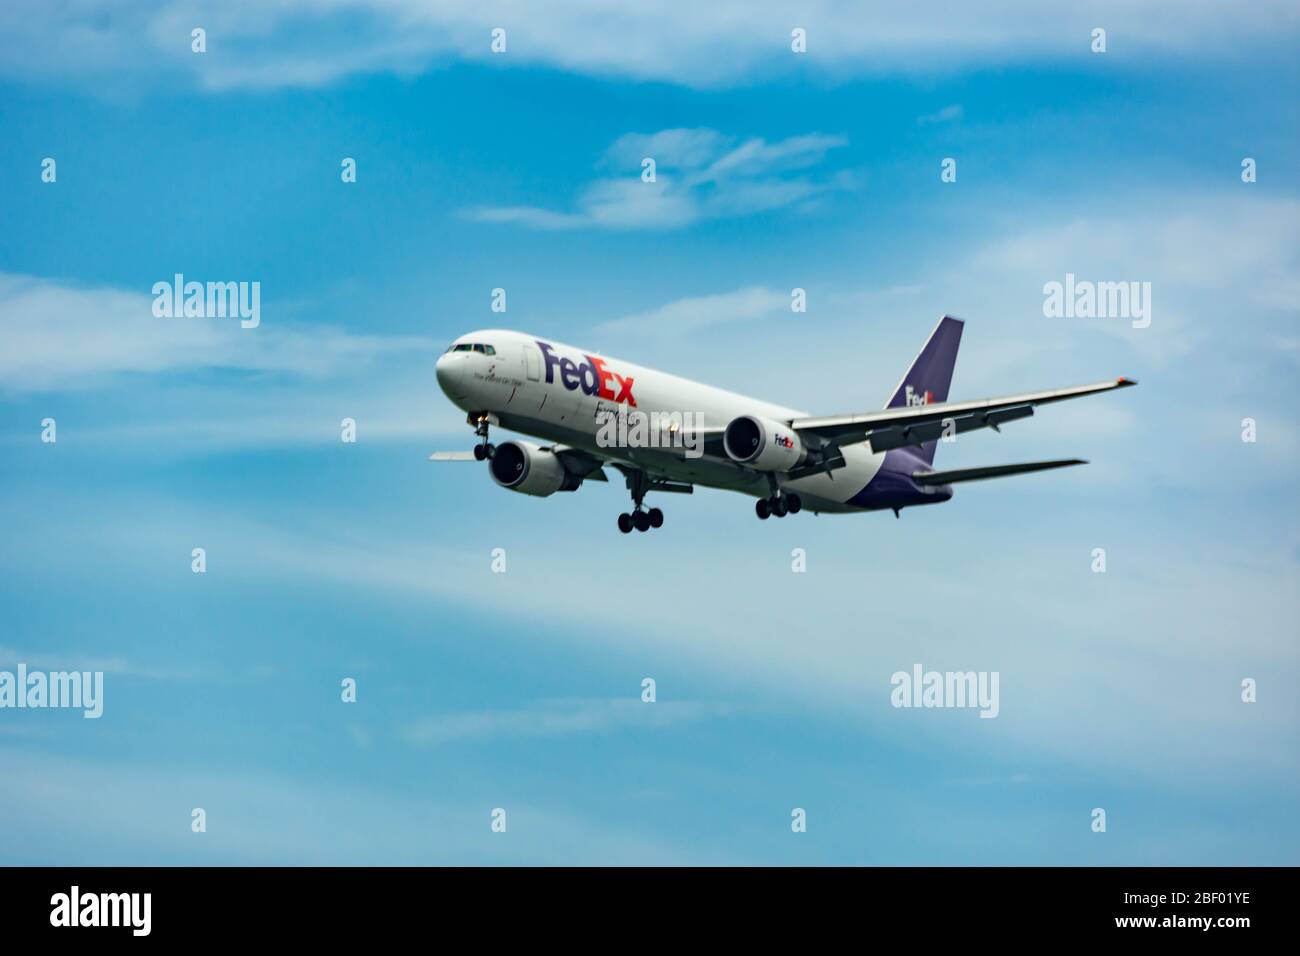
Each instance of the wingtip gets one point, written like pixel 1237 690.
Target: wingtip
pixel 1123 381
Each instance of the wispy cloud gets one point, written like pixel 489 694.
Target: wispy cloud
pixel 308 43
pixel 77 811
pixel 1175 610
pixel 60 337
pixel 697 312
pixel 1206 257
pixel 948 114
pixel 699 174
pixel 557 718
pixel 208 385
pixel 37 659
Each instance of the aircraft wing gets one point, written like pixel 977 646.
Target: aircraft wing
pixel 582 464
pixel 898 427
pixel 576 462
pixel 710 441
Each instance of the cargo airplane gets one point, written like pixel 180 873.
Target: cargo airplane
pixel 700 435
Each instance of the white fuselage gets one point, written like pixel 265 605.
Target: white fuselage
pixel 584 388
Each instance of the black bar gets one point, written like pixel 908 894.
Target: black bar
pixel 332 905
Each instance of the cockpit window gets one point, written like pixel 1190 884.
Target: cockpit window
pixel 472 347
pixel 485 349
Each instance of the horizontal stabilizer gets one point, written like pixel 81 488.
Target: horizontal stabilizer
pixel 992 471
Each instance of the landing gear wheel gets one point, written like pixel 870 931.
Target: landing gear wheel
pixel 641 520
pixel 625 522
pixel 792 503
pixel 762 508
pixel 656 518
pixel 480 452
pixel 777 505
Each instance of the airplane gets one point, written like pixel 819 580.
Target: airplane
pixel 684 433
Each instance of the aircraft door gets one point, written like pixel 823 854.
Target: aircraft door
pixel 534 393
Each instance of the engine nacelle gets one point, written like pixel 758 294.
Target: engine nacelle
pixel 763 444
pixel 529 469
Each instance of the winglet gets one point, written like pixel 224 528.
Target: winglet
pixel 1124 381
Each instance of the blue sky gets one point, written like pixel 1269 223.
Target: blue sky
pixel 522 690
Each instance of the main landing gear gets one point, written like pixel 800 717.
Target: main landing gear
pixel 641 520
pixel 778 505
pixel 484 449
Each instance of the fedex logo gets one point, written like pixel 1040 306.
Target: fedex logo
pixel 912 398
pixel 591 376
pixel 785 441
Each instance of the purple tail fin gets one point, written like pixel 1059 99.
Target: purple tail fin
pixel 927 381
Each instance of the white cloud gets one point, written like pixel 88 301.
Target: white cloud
pixel 700 174
pixel 44 660
pixel 253 44
pixel 210 385
pixel 1078 652
pixel 555 719
pixel 690 314
pixel 62 810
pixel 528 216
pixel 948 114
pixel 60 336
pixel 1206 257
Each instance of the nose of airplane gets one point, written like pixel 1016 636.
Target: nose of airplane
pixel 445 372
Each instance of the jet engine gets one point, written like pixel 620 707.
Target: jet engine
pixel 763 444
pixel 530 469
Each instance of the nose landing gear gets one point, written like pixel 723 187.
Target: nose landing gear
pixel 484 449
